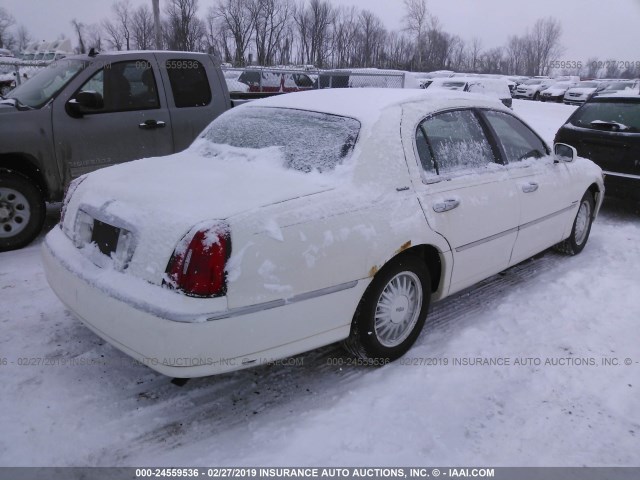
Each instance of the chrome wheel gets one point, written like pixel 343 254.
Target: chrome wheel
pixel 582 222
pixel 398 309
pixel 15 212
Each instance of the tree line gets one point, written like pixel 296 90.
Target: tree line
pixel 320 33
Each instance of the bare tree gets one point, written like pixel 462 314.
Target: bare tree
pixel 345 37
pixel 142 28
pixel 114 34
pixel 313 24
pixel 23 38
pixel 122 11
pixel 372 36
pixel 79 29
pixel 475 52
pixel 515 53
pixel 238 20
pixel 417 21
pixel 185 31
pixel 270 19
pixel 543 46
pixel 6 22
pixel 94 37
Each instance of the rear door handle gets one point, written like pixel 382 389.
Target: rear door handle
pixel 151 124
pixel 530 187
pixel 448 204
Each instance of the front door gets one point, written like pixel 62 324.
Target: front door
pixel 133 121
pixel 545 192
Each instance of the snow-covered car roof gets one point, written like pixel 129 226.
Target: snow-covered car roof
pixel 365 104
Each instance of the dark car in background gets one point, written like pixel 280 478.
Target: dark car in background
pixel 606 130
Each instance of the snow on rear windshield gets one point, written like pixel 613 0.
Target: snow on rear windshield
pixel 310 140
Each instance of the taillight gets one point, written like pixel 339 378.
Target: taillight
pixel 73 186
pixel 199 269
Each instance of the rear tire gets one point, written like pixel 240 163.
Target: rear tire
pixel 22 211
pixel 581 227
pixel 392 311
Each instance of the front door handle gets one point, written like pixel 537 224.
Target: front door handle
pixel 151 124
pixel 445 206
pixel 530 187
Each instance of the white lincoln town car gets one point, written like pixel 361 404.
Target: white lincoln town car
pixel 312 218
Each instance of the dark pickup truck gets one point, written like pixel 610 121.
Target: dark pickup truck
pixel 90 111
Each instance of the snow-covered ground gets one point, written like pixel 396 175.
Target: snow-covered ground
pixel 67 398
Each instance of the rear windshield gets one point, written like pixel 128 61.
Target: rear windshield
pixel 594 115
pixel 309 140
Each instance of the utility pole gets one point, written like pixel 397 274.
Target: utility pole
pixel 156 21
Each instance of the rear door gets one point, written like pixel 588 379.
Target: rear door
pixel 466 195
pixel 133 123
pixel 193 92
pixel 544 188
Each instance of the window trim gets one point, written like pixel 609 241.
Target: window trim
pixel 173 93
pixel 496 137
pixel 431 179
pixel 108 67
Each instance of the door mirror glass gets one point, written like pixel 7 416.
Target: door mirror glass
pixel 564 152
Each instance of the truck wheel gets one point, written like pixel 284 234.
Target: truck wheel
pixel 22 211
pixel 392 311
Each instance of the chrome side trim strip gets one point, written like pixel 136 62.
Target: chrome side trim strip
pixel 625 175
pixel 485 240
pixel 514 229
pixel 235 312
pixel 546 217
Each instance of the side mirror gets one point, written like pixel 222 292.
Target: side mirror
pixel 564 152
pixel 83 102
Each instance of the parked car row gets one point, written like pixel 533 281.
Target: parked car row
pixel 572 92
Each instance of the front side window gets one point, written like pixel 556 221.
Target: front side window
pixel 309 141
pixel 124 86
pixel 518 141
pixel 452 142
pixel 189 83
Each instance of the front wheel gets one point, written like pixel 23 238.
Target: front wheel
pixel 581 227
pixel 392 311
pixel 22 211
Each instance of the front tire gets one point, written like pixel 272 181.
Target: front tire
pixel 22 211
pixel 581 227
pixel 392 311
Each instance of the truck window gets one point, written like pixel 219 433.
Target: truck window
pixel 124 86
pixel 189 83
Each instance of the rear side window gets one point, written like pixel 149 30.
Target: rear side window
pixel 615 116
pixel 518 141
pixel 455 141
pixel 189 83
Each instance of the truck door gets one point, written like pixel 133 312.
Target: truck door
pixel 130 122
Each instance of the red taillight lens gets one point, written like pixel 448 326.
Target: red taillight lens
pixel 198 270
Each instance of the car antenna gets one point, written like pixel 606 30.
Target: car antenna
pixel 92 52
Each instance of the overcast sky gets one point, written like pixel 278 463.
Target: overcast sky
pixel 607 29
